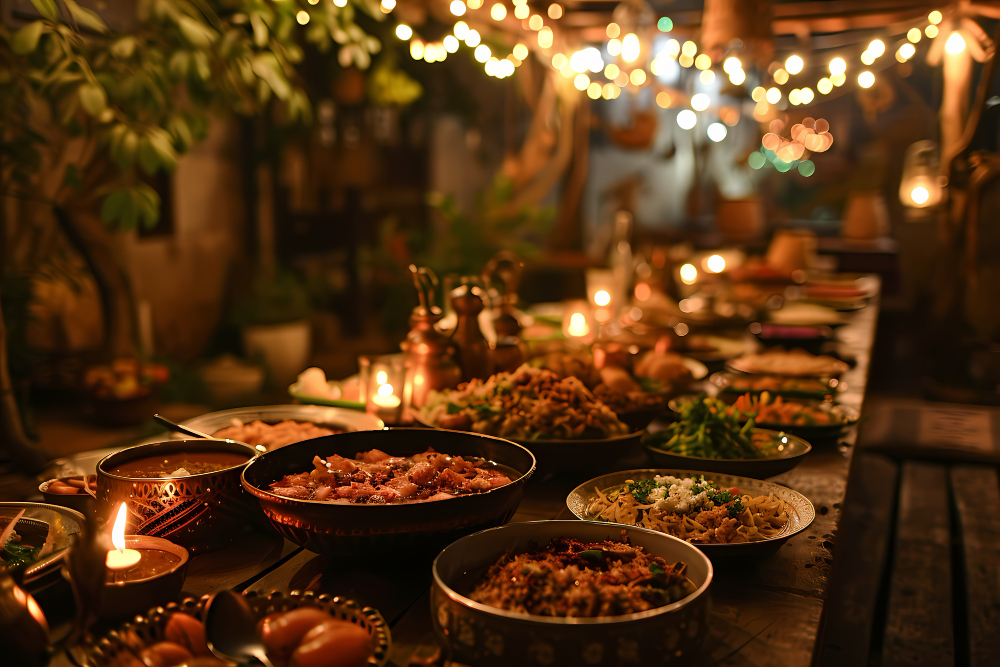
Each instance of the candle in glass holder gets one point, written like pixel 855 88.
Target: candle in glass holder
pixel 386 376
pixel 577 322
pixel 603 293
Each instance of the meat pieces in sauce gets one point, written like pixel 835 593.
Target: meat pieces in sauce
pixel 374 477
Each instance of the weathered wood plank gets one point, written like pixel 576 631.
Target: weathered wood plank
pixel 862 547
pixel 977 499
pixel 919 627
pixel 237 565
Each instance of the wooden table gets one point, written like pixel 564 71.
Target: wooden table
pixel 766 611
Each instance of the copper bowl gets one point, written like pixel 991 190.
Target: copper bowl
pixel 112 649
pixel 200 512
pixel 127 597
pixel 343 529
pixel 477 634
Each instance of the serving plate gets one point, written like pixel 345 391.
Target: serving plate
pixel 38 520
pixel 814 433
pixel 800 511
pixel 725 382
pixel 334 417
pixel 336 387
pixel 744 365
pixel 477 634
pixel 130 638
pixel 793 450
pixel 386 530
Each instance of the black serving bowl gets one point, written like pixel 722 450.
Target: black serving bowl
pixel 342 529
pixel 477 634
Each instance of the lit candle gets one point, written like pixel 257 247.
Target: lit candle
pixel 578 325
pixel 121 558
pixel 384 397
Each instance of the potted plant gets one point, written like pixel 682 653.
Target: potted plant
pixel 273 320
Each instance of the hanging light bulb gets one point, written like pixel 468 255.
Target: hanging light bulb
pixel 630 48
pixel 955 44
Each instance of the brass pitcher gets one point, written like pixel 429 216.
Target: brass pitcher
pixel 431 357
pixel 505 269
pixel 473 349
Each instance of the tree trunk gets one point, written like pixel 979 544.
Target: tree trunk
pixel 94 242
pixel 13 440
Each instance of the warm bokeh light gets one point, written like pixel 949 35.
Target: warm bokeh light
pixel 689 274
pixel 474 4
pixel 687 119
pixel 935 17
pixel 458 7
pixel 581 81
pixel 630 48
pixel 602 297
pixel 807 95
pixel 614 47
pixel 715 264
pixel 905 52
pixel 794 64
pixel 867 58
pixel 866 79
pixel 914 35
pixel 955 44
pixel 673 48
pixel 931 31
pixel 560 61
pixel 522 11
pixel 717 132
pixel 920 195
pixel 302 17
pixel 387 6
pixel 450 43
pixel 876 47
pixel 404 32
pixel 498 12
pixel 535 22
pixel 700 101
pixel 610 91
pixel 758 94
pixel 795 96
pixel 664 100
pixel 731 64
pixel 482 53
pixel 685 60
pixel 461 29
pixel 707 77
pixel 703 61
pixel 773 95
pixel 417 49
pixel 780 76
pixel 824 86
pixel 555 11
pixel 689 48
pixel 838 66
pixel 611 71
pixel 594 91
pixel 613 31
pixel 838 79
pixel 545 37
pixel 520 51
pixel 637 77
pixel 472 39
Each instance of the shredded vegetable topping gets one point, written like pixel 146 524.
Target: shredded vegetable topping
pixel 693 509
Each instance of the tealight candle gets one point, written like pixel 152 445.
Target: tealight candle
pixel 121 558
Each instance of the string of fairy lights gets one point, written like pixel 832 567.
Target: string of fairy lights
pixel 603 71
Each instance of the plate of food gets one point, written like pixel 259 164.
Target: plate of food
pixel 711 435
pixel 724 515
pixel 742 383
pixel 500 597
pixel 34 538
pixel 275 426
pixel 377 492
pixel 312 387
pixel 816 421
pixel 558 419
pixel 295 629
pixel 789 363
pixel 800 314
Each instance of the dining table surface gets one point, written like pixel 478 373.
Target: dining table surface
pixel 765 609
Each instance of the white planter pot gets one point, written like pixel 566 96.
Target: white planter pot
pixel 283 348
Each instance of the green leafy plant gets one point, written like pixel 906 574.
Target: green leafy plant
pixel 278 300
pixel 137 100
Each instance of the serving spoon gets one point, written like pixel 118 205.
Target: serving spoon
pixel 174 426
pixel 230 630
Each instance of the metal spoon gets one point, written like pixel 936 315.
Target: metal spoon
pixel 174 426
pixel 230 629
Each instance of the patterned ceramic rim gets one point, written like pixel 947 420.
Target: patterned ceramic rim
pixel 805 513
pixel 99 652
pixel 597 620
pixel 253 454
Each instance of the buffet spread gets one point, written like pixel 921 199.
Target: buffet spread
pixel 575 491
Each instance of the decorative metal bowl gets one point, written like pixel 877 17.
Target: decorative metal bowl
pixel 348 529
pixel 146 630
pixel 478 634
pixel 792 451
pixel 40 520
pixel 200 512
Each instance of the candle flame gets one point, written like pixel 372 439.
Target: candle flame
pixel 578 325
pixel 602 297
pixel 385 390
pixel 118 531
